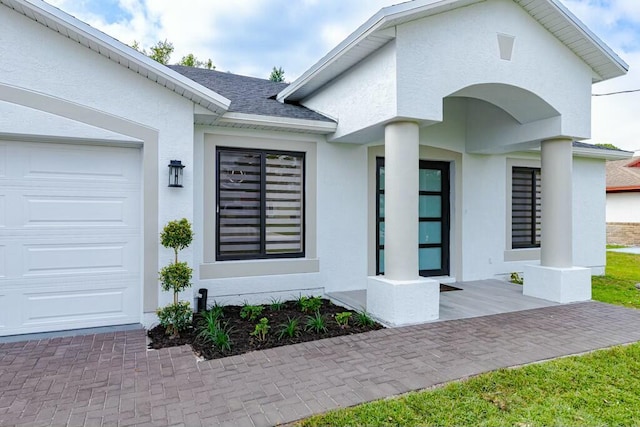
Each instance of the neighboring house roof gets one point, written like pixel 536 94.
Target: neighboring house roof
pixel 623 175
pixel 379 30
pixel 249 95
pixel 105 45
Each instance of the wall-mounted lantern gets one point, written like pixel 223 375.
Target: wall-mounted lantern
pixel 175 173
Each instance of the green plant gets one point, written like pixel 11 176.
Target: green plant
pixel 261 330
pixel 290 329
pixel 213 332
pixel 515 278
pixel 276 304
pixel 316 323
pixel 342 319
pixel 310 304
pixel 218 309
pixel 175 317
pixel 176 277
pixel 363 318
pixel 251 312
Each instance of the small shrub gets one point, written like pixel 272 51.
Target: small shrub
pixel 175 317
pixel 364 319
pixel 290 329
pixel 261 330
pixel 251 312
pixel 316 323
pixel 342 319
pixel 276 304
pixel 515 278
pixel 310 304
pixel 216 334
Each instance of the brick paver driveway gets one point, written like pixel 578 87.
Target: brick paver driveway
pixel 112 379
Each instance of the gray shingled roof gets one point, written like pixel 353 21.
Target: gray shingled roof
pixel 248 94
pixel 578 144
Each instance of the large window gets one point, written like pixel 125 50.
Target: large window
pixel 260 204
pixel 525 207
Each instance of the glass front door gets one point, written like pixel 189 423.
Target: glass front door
pixel 433 217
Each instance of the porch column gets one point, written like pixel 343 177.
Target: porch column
pixel 556 279
pixel 401 296
pixel 402 166
pixel 556 249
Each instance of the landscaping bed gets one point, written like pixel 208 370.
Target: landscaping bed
pixel 231 330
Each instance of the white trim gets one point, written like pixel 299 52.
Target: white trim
pixel 59 21
pixel 598 153
pixel 255 120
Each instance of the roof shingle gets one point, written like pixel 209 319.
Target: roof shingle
pixel 248 95
pixel 623 174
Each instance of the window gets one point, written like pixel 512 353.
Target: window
pixel 525 207
pixel 260 204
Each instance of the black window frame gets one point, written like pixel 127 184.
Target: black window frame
pixel 534 200
pixel 445 219
pixel 262 253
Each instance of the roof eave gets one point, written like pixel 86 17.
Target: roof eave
pixel 625 189
pixel 388 17
pixel 601 45
pixel 599 153
pixel 122 54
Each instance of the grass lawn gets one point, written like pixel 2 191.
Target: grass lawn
pixel 617 286
pixel 597 389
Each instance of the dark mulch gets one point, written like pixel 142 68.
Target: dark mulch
pixel 243 342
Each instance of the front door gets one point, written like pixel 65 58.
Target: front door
pixel 433 228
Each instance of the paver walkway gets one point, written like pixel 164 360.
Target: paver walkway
pixel 111 379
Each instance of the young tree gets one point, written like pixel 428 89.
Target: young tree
pixel 161 51
pixel 176 277
pixel 277 75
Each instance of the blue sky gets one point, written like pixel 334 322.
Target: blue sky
pixel 249 37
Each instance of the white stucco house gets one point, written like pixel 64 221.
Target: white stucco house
pixel 436 143
pixel 623 202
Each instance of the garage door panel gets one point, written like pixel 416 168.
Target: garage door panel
pixel 74 305
pixel 58 161
pixel 70 236
pixel 75 211
pixel 75 258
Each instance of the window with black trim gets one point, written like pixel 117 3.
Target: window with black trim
pixel 525 207
pixel 260 204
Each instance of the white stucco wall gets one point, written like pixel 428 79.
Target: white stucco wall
pixel 441 54
pixel 46 62
pixel 623 207
pixel 589 224
pixel 363 96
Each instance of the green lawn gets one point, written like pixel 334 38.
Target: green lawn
pixel 617 286
pixel 600 388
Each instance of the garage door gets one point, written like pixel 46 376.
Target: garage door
pixel 70 237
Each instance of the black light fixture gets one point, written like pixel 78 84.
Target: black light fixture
pixel 175 173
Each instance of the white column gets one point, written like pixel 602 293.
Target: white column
pixel 557 194
pixel 402 165
pixel 556 279
pixel 401 296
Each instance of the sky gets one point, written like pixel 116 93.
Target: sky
pixel 250 37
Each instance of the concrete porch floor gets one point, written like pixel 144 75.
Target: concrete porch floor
pixel 476 298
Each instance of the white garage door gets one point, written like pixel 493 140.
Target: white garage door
pixel 70 237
